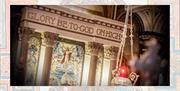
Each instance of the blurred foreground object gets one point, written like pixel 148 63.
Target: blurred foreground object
pixel 149 63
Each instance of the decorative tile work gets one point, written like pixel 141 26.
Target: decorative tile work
pixel 4 85
pixel 5 67
pixel 3 88
pixel 2 25
pixel 23 88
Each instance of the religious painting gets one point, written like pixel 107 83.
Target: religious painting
pixel 32 61
pixel 66 66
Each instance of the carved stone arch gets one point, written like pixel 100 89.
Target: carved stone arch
pixel 139 24
pixel 163 22
pixel 153 17
pixel 137 21
pixel 158 24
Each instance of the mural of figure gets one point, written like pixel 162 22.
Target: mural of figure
pixel 67 64
pixel 67 55
pixel 31 66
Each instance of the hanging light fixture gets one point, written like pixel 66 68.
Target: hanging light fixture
pixel 121 47
pixel 121 72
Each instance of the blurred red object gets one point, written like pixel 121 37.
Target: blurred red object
pixel 123 71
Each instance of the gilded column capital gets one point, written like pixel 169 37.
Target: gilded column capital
pixel 25 33
pixel 49 39
pixel 110 52
pixel 93 48
pixel 37 35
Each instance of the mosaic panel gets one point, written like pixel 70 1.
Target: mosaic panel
pixel 32 61
pixel 66 67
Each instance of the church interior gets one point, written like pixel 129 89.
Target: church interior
pixel 90 45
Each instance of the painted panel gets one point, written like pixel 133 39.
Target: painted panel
pixel 99 69
pixel 66 66
pixel 32 61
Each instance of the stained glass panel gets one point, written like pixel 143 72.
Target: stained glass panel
pixel 32 61
pixel 67 62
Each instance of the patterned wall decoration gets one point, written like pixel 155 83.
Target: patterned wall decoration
pixel 32 61
pixel 67 62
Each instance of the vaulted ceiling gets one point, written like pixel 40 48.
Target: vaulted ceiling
pixel 151 18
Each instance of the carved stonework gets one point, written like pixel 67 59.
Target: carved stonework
pixel 37 35
pixel 25 33
pixel 101 53
pixel 110 52
pixel 93 48
pixel 76 17
pixel 49 39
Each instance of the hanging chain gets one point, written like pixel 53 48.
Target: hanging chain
pixel 131 36
pixel 123 41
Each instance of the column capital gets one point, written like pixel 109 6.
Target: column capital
pixel 93 48
pixel 37 35
pixel 110 52
pixel 25 33
pixel 49 39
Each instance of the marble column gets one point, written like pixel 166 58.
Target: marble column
pixel 92 49
pixel 48 41
pixel 110 54
pixel 25 34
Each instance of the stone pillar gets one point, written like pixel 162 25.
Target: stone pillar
pixel 92 49
pixel 49 39
pixel 87 59
pixel 110 54
pixel 25 34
